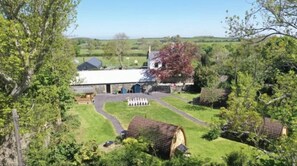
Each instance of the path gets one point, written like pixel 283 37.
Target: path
pixel 100 100
pixel 195 120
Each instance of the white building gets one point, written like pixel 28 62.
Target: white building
pixel 113 81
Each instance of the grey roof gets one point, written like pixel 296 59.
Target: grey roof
pixel 95 62
pixel 152 54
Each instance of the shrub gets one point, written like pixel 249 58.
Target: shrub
pixel 236 158
pixel 212 134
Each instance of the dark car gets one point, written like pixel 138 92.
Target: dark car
pixel 124 134
pixel 107 143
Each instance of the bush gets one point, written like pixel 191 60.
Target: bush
pixel 236 159
pixel 212 134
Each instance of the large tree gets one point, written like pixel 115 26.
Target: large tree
pixel 121 46
pixel 28 33
pixel 35 68
pixel 266 18
pixel 176 60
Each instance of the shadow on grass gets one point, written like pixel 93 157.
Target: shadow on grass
pixel 196 108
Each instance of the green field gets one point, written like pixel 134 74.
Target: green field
pixel 93 125
pixel 200 112
pixel 197 145
pixel 137 50
pixel 98 52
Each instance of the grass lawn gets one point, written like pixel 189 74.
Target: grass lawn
pixel 197 145
pixel 93 125
pixel 113 62
pixel 187 96
pixel 200 112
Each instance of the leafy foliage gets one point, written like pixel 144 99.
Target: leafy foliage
pixel 212 134
pixel 236 159
pixel 266 17
pixel 176 60
pixel 133 153
pixel 242 113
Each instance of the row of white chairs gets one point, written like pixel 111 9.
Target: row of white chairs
pixel 137 102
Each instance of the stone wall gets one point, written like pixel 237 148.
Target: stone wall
pixel 116 88
pixel 8 149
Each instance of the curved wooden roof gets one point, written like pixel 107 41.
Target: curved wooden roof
pixel 272 128
pixel 161 134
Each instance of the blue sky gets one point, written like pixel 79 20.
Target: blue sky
pixel 155 18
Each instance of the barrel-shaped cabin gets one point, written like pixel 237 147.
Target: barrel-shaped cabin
pixel 166 138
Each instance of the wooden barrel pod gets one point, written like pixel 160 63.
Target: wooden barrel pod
pixel 165 137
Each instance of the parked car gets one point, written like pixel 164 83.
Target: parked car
pixel 107 143
pixel 124 134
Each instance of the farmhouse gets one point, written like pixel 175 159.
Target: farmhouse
pixel 91 64
pixel 113 81
pixel 152 62
pixel 122 81
pixel 167 138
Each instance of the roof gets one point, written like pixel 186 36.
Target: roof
pixel 113 77
pixel 272 128
pixel 91 64
pixel 161 134
pixel 95 62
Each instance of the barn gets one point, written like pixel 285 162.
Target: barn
pixel 114 81
pixel 167 139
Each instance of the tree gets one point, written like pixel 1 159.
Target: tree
pixel 109 48
pixel 242 113
pixel 266 18
pixel 143 44
pixel 156 45
pixel 236 158
pixel 121 46
pixel 176 60
pixel 36 66
pixel 32 27
pixel 91 47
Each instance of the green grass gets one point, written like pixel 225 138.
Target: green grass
pixel 197 145
pixel 112 62
pixel 93 125
pixel 200 112
pixel 85 51
pixel 186 96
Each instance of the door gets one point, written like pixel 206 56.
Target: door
pixel 108 88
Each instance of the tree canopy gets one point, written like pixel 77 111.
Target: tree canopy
pixel 29 32
pixel 176 60
pixel 266 18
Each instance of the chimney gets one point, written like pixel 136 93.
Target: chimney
pixel 149 49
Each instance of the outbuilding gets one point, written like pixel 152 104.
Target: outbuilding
pixel 91 64
pixel 165 137
pixel 112 81
pixel 273 129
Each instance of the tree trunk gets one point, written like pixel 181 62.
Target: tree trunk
pixel 23 85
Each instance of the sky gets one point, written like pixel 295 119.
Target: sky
pixel 102 19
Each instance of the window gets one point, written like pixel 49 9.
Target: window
pixel 156 65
